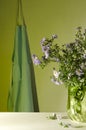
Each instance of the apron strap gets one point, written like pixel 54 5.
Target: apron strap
pixel 20 17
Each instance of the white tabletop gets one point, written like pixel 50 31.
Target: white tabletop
pixel 38 121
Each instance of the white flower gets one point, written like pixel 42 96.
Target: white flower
pixel 82 66
pixel 79 72
pixel 69 75
pixel 84 56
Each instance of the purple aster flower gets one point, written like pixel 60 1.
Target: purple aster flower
pixel 54 36
pixel 56 82
pixel 46 53
pixel 45 50
pixel 35 59
pixel 55 73
pixel 43 40
pixel 55 79
pixel 69 46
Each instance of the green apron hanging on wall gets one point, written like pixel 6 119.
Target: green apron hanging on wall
pixel 22 95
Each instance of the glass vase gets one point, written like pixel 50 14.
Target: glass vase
pixel 76 104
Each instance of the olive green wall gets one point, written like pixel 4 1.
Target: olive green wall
pixel 43 18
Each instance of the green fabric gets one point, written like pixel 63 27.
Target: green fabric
pixel 20 98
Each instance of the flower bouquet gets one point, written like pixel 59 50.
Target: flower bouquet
pixel 71 66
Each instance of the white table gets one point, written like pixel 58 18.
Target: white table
pixel 36 121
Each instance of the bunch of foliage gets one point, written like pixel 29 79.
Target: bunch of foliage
pixel 70 59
